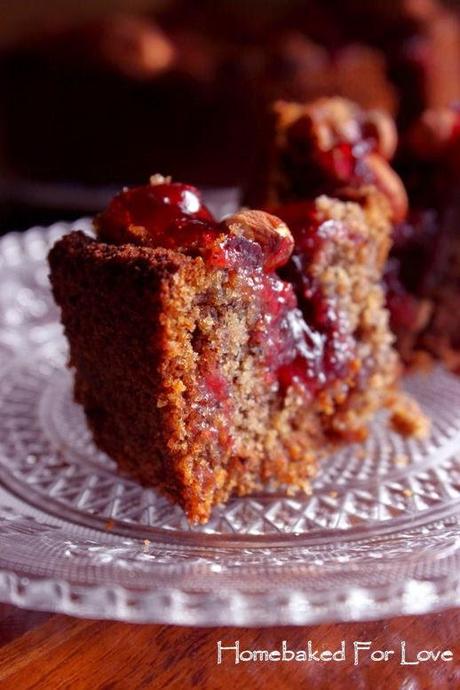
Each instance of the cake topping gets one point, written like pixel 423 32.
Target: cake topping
pixel 172 215
pixel 333 144
pixel 158 208
pixel 270 232
pixel 160 214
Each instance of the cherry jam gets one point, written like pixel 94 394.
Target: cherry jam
pixel 325 350
pixel 172 214
pixel 301 334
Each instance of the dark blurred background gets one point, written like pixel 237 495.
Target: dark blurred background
pixel 97 95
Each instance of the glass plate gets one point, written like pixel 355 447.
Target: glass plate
pixel 380 534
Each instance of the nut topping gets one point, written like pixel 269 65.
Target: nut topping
pixel 379 172
pixel 270 232
pixel 160 179
pixel 381 127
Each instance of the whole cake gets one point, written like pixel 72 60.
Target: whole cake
pixel 213 357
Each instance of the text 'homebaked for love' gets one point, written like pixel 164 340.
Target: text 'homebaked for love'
pixel 357 651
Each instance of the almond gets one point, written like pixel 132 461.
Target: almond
pixel 377 171
pixel 270 233
pixel 160 179
pixel 382 128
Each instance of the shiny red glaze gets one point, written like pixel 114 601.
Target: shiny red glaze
pixel 309 345
pixel 174 217
pixel 162 209
pixel 189 235
pixel 302 220
pixel 336 164
pixel 326 350
pixel 339 162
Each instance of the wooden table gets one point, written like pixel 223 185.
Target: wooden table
pixel 41 650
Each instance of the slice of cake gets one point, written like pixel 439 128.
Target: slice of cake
pixel 334 145
pixel 329 145
pixel 212 357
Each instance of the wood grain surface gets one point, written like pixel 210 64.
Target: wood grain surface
pixel 46 651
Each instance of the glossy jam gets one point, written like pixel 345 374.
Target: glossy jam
pixel 280 332
pixel 172 214
pixel 154 206
pixel 301 335
pixel 314 170
pixel 324 344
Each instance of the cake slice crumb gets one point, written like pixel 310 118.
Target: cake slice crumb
pixel 407 418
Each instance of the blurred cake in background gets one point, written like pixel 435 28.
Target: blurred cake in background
pixel 423 275
pixel 334 145
pixel 99 102
pixel 187 86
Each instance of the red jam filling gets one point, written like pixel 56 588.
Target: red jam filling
pixel 301 333
pixel 338 164
pixel 325 351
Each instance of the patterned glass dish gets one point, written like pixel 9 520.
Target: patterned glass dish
pixel 378 536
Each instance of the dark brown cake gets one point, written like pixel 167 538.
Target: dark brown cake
pixel 212 358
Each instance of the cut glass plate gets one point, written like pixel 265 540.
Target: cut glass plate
pixel 379 535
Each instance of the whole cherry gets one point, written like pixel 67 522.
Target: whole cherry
pixel 152 213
